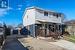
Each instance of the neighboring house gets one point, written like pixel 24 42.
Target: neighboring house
pixel 42 22
pixel 70 27
pixel 15 31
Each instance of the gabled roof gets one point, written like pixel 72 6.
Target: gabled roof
pixel 41 9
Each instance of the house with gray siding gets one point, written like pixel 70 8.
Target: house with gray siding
pixel 41 22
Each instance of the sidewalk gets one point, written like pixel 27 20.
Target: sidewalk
pixel 65 44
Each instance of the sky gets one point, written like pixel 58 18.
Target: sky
pixel 13 15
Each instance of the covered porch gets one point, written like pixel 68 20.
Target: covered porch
pixel 48 29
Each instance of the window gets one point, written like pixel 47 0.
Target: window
pixel 45 13
pixel 55 14
pixel 50 13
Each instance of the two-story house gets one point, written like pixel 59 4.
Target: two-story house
pixel 41 22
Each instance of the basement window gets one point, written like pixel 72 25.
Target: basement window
pixel 45 13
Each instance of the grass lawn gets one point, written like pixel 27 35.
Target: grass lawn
pixel 70 38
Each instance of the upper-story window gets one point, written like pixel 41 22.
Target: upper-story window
pixel 45 13
pixel 56 14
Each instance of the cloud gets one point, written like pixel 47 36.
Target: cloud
pixel 4 11
pixel 9 8
pixel 19 5
pixel 19 8
pixel 1 23
pixel 29 3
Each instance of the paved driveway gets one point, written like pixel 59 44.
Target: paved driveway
pixel 13 44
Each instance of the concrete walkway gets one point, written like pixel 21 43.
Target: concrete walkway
pixel 37 44
pixel 13 44
pixel 65 44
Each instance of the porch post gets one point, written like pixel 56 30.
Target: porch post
pixel 11 32
pixel 58 27
pixel 61 29
pixel 34 33
pixel 54 28
pixel 47 29
pixel 44 32
pixel 18 32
